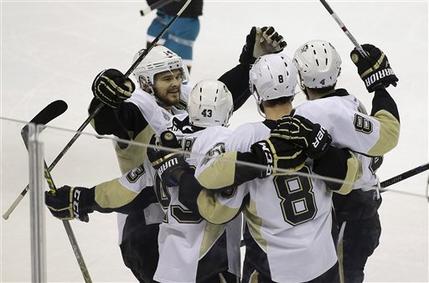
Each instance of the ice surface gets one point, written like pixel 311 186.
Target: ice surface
pixel 53 49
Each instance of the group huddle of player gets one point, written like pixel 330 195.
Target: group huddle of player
pixel 182 210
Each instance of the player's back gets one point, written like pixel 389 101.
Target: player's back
pixel 346 120
pixel 184 237
pixel 288 218
pixel 350 127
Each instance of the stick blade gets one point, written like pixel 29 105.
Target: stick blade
pixel 50 112
pixel 47 114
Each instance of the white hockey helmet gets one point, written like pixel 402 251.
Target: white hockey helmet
pixel 318 64
pixel 158 60
pixel 210 104
pixel 273 76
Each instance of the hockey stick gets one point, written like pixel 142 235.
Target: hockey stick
pixel 157 5
pixel 403 176
pixel 396 179
pixel 343 28
pixel 66 223
pixel 50 112
pixel 101 105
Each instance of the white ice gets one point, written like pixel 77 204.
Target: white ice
pixel 53 49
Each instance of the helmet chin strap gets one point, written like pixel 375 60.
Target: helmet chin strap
pixel 303 88
pixel 259 106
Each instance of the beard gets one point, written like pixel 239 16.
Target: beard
pixel 171 98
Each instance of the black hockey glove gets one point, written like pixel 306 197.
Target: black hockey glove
pixel 68 203
pixel 375 69
pixel 310 137
pixel 275 153
pixel 261 41
pixel 111 87
pixel 169 165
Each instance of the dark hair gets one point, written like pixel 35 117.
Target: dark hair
pixel 277 101
pixel 323 90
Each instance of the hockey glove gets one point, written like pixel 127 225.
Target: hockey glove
pixel 276 154
pixel 261 41
pixel 375 69
pixel 111 87
pixel 169 165
pixel 310 137
pixel 67 203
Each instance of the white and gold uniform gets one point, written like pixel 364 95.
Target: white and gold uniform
pixel 137 119
pixel 157 120
pixel 190 248
pixel 345 119
pixel 288 217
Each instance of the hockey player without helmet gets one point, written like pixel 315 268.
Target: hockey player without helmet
pixel 318 64
pixel 273 76
pixel 210 104
pixel 159 59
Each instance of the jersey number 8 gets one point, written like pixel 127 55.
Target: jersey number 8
pixel 297 198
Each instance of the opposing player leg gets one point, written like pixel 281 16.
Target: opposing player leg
pixel 181 38
pixel 156 27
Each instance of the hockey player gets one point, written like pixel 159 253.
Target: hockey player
pixel 288 233
pixel 181 36
pixel 374 135
pixel 160 76
pixel 184 238
pixel 190 249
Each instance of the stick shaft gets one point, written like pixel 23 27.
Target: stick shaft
pixel 405 175
pixel 69 231
pixel 157 5
pixel 97 109
pixel 56 160
pixel 343 27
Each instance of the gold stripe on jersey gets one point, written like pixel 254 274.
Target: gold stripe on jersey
pixel 212 210
pixel 354 172
pixel 212 232
pixel 134 155
pixel 389 133
pixel 254 277
pixel 112 194
pixel 254 222
pixel 219 174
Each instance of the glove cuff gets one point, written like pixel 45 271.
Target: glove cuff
pixel 84 199
pixel 264 156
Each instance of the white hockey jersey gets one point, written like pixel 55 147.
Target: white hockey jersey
pixel 288 216
pixel 350 127
pixel 133 155
pixel 184 237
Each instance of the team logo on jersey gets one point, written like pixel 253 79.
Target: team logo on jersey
pixel 217 149
pixel 375 163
